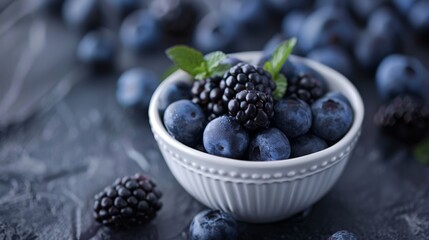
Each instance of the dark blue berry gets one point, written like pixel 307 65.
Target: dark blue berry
pixel 114 11
pixel 400 74
pixel 225 137
pixel 185 121
pixel 214 33
pixel 292 116
pixel 269 145
pixel 135 87
pixel 364 8
pixel 81 15
pixel 292 23
pixel 97 49
pixel 404 6
pixel 51 6
pixel 284 6
pixel 343 235
pixel 249 12
pixel 334 57
pixel 418 17
pixel 174 92
pixel 385 21
pixel 307 144
pixel 139 31
pixel 338 95
pixel 332 118
pixel 213 225
pixel 337 3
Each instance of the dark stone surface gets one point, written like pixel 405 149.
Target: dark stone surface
pixel 64 138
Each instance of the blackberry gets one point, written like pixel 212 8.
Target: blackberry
pixel 305 87
pixel 253 109
pixel 208 95
pixel 244 76
pixel 129 202
pixel 405 117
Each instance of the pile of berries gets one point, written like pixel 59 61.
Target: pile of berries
pixel 246 113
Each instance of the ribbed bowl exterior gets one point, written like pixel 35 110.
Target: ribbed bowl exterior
pixel 259 191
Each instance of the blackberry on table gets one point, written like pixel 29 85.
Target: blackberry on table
pixel 305 87
pixel 404 117
pixel 129 202
pixel 244 76
pixel 251 108
pixel 208 95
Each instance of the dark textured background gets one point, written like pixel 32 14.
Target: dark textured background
pixel 63 138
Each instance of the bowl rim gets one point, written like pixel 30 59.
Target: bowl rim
pixel 353 96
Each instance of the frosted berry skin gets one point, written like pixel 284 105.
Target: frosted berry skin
pixel 213 225
pixel 269 145
pixel 129 202
pixel 400 74
pixel 293 116
pixel 343 235
pixel 174 92
pixel 225 137
pixel 332 118
pixel 185 121
pixel 307 144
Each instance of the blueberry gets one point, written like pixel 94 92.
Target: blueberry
pixel 334 57
pixel 185 121
pixel 272 44
pixel 213 33
pixel 337 3
pixel 418 17
pixel 307 144
pixel 332 118
pixel 283 6
pixel 400 74
pixel 213 225
pixel 177 17
pixel 174 92
pixel 372 47
pixel 292 23
pixel 269 145
pixel 343 235
pixel 114 11
pixel 292 116
pixel 97 49
pixel 135 87
pixel 384 21
pixel 225 137
pixel 364 8
pixel 139 31
pixel 81 15
pixel 339 96
pixel 51 6
pixel 250 11
pixel 404 6
pixel 327 26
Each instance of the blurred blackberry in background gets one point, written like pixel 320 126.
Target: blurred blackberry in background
pixel 305 87
pixel 404 117
pixel 129 202
pixel 208 95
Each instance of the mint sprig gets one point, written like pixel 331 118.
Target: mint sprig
pixel 275 64
pixel 421 152
pixel 193 61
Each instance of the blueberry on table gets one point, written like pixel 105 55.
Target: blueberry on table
pixel 418 17
pixel 343 235
pixel 334 57
pixel 121 8
pixel 284 6
pixel 371 47
pixel 269 145
pixel 401 74
pixel 332 118
pixel 81 15
pixel 292 23
pixel 327 26
pixel 404 6
pixel 213 225
pixel 214 33
pixel 139 31
pixel 337 3
pixel 307 144
pixel 385 21
pixel 225 137
pixel 251 12
pixel 51 6
pixel 97 49
pixel 174 92
pixel 292 116
pixel 364 8
pixel 135 87
pixel 185 121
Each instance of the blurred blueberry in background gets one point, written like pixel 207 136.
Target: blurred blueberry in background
pixel 51 6
pixel 384 21
pixel 215 33
pixel 334 57
pixel 139 31
pixel 97 49
pixel 364 8
pixel 418 17
pixel 247 12
pixel 292 23
pixel 81 15
pixel 283 6
pixel 404 6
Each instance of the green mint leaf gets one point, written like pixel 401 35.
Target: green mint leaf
pixel 421 152
pixel 187 59
pixel 169 71
pixel 280 56
pixel 281 86
pixel 220 70
pixel 214 59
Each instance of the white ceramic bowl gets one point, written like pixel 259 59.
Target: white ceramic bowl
pixel 259 191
